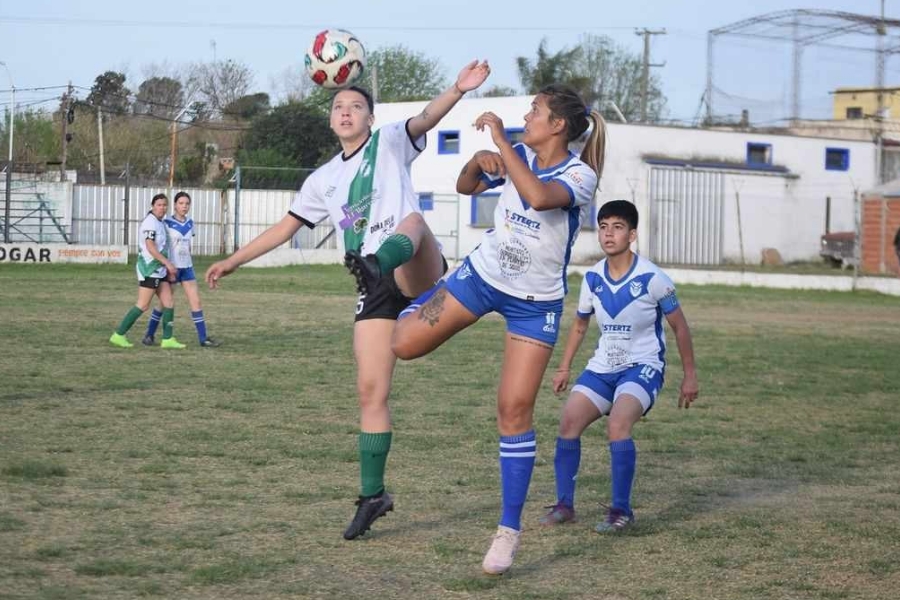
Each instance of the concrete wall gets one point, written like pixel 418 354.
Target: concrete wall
pixel 784 212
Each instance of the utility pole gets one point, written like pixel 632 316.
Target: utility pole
pixel 9 162
pixel 645 76
pixel 100 136
pixel 880 111
pixel 65 109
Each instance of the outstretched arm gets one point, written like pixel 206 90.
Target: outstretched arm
pixel 472 76
pixel 573 343
pixel 269 239
pixel 689 385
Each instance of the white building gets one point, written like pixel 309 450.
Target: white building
pixel 705 196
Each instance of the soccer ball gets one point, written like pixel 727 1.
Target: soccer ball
pixel 335 59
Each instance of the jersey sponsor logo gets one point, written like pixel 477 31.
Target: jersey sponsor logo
pixel 330 191
pixel 616 328
pixel 514 259
pixel 522 225
pixel 574 177
pixel 352 218
pixel 550 326
pixel 635 287
pixel 385 224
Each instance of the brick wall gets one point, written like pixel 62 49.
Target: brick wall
pixel 880 221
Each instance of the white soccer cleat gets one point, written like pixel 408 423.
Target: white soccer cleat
pixel 499 557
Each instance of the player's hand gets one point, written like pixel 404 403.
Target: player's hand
pixel 216 271
pixel 171 271
pixel 561 380
pixel 472 76
pixel 495 124
pixel 490 163
pixel 689 390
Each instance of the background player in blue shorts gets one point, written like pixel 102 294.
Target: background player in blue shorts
pixel 629 296
pixel 180 229
pixel 367 192
pixel 518 271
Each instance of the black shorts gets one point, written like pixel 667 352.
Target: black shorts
pixel 150 282
pixel 386 301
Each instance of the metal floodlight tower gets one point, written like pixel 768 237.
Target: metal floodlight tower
pixel 808 27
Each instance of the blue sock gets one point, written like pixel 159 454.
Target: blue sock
pixel 622 460
pixel 516 464
pixel 565 463
pixel 155 318
pixel 415 304
pixel 200 324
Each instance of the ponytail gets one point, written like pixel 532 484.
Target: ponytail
pixel 594 152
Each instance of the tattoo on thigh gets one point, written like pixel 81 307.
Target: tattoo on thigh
pixel 431 310
pixel 525 340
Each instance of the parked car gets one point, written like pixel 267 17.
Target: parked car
pixel 837 248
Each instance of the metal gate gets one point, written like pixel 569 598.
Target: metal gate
pixel 686 215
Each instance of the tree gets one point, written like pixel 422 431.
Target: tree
pixel 614 74
pixel 499 91
pixel 601 71
pixel 35 138
pixel 561 67
pixel 110 94
pixel 220 83
pixel 295 131
pixel 159 97
pixel 248 107
pixel 397 74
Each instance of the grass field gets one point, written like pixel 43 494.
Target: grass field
pixel 230 472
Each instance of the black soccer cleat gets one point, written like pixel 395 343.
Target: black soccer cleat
pixel 367 510
pixel 364 268
pixel 210 343
pixel 148 340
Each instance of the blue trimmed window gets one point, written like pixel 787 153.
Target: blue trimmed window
pixel 515 134
pixel 759 154
pixel 482 209
pixel 426 201
pixel 837 159
pixel 448 142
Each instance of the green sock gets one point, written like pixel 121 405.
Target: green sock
pixel 167 318
pixel 133 315
pixel 395 251
pixel 373 452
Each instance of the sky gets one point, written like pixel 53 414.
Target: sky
pixel 49 43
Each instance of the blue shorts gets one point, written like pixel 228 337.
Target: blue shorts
pixel 641 381
pixel 538 320
pixel 185 275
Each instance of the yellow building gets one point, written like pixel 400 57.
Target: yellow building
pixel 862 103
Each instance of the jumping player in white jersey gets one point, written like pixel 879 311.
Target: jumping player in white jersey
pixel 367 191
pixel 180 229
pixel 629 296
pixel 155 272
pixel 518 271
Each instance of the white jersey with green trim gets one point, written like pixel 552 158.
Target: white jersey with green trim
pixel 180 235
pixel 526 253
pixel 151 229
pixel 366 194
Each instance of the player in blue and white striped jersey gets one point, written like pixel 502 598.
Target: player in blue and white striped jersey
pixel 629 295
pixel 180 230
pixel 518 271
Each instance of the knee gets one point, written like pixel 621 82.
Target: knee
pixel 618 429
pixel 404 346
pixel 371 393
pixel 515 416
pixel 570 427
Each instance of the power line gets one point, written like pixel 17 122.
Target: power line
pixel 269 26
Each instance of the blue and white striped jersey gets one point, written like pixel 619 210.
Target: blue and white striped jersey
pixel 180 235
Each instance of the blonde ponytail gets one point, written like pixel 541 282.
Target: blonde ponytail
pixel 594 152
